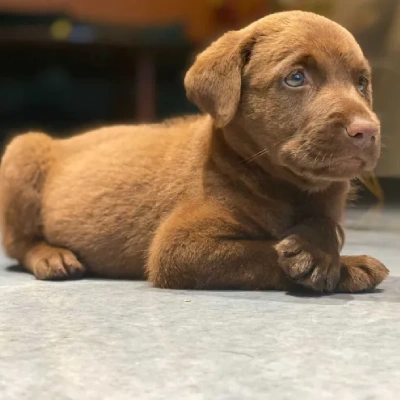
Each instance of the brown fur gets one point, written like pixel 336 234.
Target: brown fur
pixel 250 195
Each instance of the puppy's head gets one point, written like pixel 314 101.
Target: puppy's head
pixel 299 86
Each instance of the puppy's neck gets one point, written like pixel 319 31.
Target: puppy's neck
pixel 234 146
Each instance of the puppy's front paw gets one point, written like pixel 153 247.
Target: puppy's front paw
pixel 308 265
pixel 360 273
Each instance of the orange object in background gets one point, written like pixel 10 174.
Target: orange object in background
pixel 203 19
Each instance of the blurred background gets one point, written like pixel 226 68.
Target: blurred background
pixel 68 65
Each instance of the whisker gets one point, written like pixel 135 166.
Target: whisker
pixel 316 159
pixel 306 154
pixel 301 147
pixel 330 161
pixel 259 154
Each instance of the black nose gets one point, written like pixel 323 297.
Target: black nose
pixel 362 132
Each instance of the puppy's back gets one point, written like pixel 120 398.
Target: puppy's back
pixel 120 182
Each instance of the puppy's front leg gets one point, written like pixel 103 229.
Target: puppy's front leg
pixel 360 273
pixel 201 246
pixel 309 254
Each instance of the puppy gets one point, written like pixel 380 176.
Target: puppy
pixel 249 195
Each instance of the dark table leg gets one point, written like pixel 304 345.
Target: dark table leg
pixel 145 88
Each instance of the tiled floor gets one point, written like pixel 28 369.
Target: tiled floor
pixel 109 340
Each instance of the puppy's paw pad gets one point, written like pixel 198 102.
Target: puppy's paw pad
pixel 307 265
pixel 58 264
pixel 360 273
pixel 298 259
pixel 294 260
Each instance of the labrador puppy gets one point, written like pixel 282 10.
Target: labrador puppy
pixel 248 195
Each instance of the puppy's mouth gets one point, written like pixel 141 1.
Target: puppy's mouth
pixel 323 165
pixel 343 167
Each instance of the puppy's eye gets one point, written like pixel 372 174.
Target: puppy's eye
pixel 295 79
pixel 362 84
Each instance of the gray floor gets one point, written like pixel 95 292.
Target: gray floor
pixel 98 339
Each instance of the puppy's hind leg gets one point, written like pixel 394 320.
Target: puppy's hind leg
pixel 24 168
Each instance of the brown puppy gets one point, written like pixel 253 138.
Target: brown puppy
pixel 250 195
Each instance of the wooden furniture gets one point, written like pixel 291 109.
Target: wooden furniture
pixel 201 19
pixel 25 51
pixel 377 28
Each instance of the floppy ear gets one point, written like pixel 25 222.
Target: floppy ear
pixel 213 83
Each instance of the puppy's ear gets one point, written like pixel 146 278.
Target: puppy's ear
pixel 213 83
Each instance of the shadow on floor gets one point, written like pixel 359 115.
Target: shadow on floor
pixel 16 269
pixel 389 291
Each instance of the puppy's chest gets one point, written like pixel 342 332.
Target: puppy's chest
pixel 262 207
pixel 269 217
pixel 269 214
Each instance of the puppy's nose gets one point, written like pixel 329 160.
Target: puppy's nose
pixel 362 132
